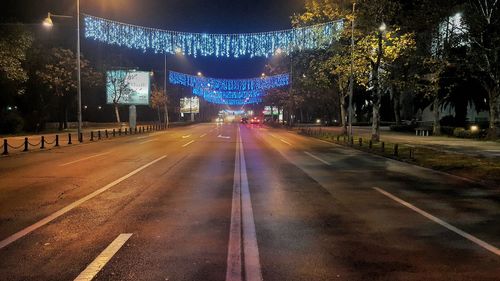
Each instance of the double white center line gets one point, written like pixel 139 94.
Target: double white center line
pixel 242 229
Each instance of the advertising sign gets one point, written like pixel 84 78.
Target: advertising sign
pixel 267 110
pixel 128 87
pixel 190 105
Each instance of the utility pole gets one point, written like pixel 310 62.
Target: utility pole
pixel 165 91
pixel 78 66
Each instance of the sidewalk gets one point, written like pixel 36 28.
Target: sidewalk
pixel 490 149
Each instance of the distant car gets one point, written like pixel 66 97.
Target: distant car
pixel 255 120
pixel 244 120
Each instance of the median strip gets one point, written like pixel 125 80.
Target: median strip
pixel 14 237
pixel 103 258
pixel 441 222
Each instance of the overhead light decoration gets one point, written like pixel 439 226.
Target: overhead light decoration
pixel 229 91
pixel 235 85
pixel 262 44
pixel 204 93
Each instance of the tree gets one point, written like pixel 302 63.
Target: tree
pixel 483 23
pixel 159 101
pixel 59 75
pixel 15 42
pixel 119 87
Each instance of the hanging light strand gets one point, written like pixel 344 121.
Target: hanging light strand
pixel 263 44
pixel 235 85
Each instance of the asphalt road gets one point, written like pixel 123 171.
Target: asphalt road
pixel 239 202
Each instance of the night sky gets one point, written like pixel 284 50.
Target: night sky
pixel 210 16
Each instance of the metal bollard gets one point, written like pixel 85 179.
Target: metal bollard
pixel 411 153
pixel 99 134
pixel 25 144
pixel 135 130
pixel 382 146
pixel 5 147
pixel 351 141
pixel 106 133
pixel 120 131
pixel 42 143
pixel 57 140
pixel 81 137
pixel 370 144
pixel 126 131
pixel 360 141
pixel 114 132
pixel 396 152
pixel 69 138
pixel 338 138
pixel 91 135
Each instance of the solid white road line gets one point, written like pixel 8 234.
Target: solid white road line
pixel 71 206
pixel 184 145
pixel 285 142
pixel 317 158
pixel 242 227
pixel 103 258
pixel 250 246
pixel 203 135
pixel 223 137
pixel 234 269
pixel 186 136
pixel 148 141
pixel 437 220
pixel 85 158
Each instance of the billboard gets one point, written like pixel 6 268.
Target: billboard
pixel 128 87
pixel 267 110
pixel 190 105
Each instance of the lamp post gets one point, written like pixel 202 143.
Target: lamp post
pixel 351 78
pixel 48 23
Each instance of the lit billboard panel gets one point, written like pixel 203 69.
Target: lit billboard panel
pixel 190 105
pixel 128 87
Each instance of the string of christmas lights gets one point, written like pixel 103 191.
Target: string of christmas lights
pixel 220 100
pixel 234 85
pixel 206 93
pixel 263 44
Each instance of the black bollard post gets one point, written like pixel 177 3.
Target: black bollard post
pixel 99 134
pixel 396 152
pixel 91 135
pixel 411 153
pixel 57 140
pixel 69 138
pixel 42 143
pixel 135 130
pixel 370 144
pixel 360 141
pixel 106 133
pixel 81 137
pixel 25 144
pixel 382 146
pixel 5 147
pixel 114 132
pixel 120 131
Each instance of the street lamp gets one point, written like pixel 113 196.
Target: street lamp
pixel 383 27
pixel 199 74
pixel 47 22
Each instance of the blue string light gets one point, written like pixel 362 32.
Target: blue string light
pixel 235 85
pixel 204 93
pixel 262 44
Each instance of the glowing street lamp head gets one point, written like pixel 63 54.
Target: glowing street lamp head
pixel 199 74
pixel 383 27
pixel 47 22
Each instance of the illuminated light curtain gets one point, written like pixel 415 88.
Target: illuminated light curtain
pixel 262 44
pixel 229 98
pixel 220 100
pixel 235 85
pixel 227 94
